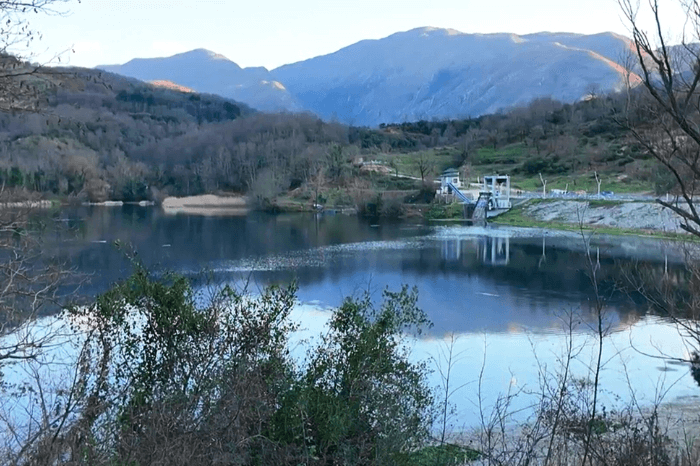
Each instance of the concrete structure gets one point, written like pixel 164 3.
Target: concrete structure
pixel 498 187
pixel 448 181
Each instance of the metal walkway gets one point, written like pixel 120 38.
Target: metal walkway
pixel 459 194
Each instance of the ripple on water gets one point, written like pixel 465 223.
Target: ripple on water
pixel 316 257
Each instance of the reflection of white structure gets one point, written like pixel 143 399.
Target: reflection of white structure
pixel 498 186
pixel 495 250
pixel 543 257
pixel 452 250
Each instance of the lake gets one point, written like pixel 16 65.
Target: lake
pixel 503 292
pixel 470 279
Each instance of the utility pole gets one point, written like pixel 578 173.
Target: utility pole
pixel 544 186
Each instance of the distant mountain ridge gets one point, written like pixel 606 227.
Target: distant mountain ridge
pixel 209 72
pixel 424 73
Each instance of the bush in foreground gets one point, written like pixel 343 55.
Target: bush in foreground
pixel 172 376
pixel 169 375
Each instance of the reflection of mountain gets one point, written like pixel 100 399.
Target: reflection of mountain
pixel 465 282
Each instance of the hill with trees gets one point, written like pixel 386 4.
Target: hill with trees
pixel 100 136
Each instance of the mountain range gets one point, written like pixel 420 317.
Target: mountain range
pixel 421 74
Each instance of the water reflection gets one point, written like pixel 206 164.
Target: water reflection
pixel 514 362
pixel 491 250
pixel 502 291
pixel 470 279
pixel 495 250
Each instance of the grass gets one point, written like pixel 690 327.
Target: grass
pixel 454 211
pixel 391 182
pixel 442 158
pixel 509 160
pixel 604 203
pixel 509 155
pixel 582 182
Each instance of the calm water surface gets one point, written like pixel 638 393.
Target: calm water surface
pixel 503 292
pixel 469 279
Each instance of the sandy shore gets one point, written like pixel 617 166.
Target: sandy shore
pixel 44 204
pixel 206 204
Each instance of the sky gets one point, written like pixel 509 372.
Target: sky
pixel 271 33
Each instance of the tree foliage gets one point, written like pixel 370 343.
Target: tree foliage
pixel 360 400
pixel 170 374
pixel 22 83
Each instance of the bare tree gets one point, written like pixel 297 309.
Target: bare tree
pixel 394 165
pixel 21 83
pixel 30 281
pixel 318 179
pixel 425 165
pixel 15 27
pixel 665 119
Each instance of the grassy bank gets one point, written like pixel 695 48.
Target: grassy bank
pixel 453 211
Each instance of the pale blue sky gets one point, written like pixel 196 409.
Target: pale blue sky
pixel 274 32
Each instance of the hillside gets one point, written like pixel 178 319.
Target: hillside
pixel 87 128
pixel 422 74
pixel 101 136
pixel 97 136
pixel 433 73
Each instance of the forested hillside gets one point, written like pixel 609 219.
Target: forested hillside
pixel 99 136
pixel 89 126
pixel 566 143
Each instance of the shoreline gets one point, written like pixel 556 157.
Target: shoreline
pixel 605 217
pixel 678 420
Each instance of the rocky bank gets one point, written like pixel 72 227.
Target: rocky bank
pixel 645 216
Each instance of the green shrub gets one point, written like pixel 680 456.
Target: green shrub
pixel 360 401
pixel 173 376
